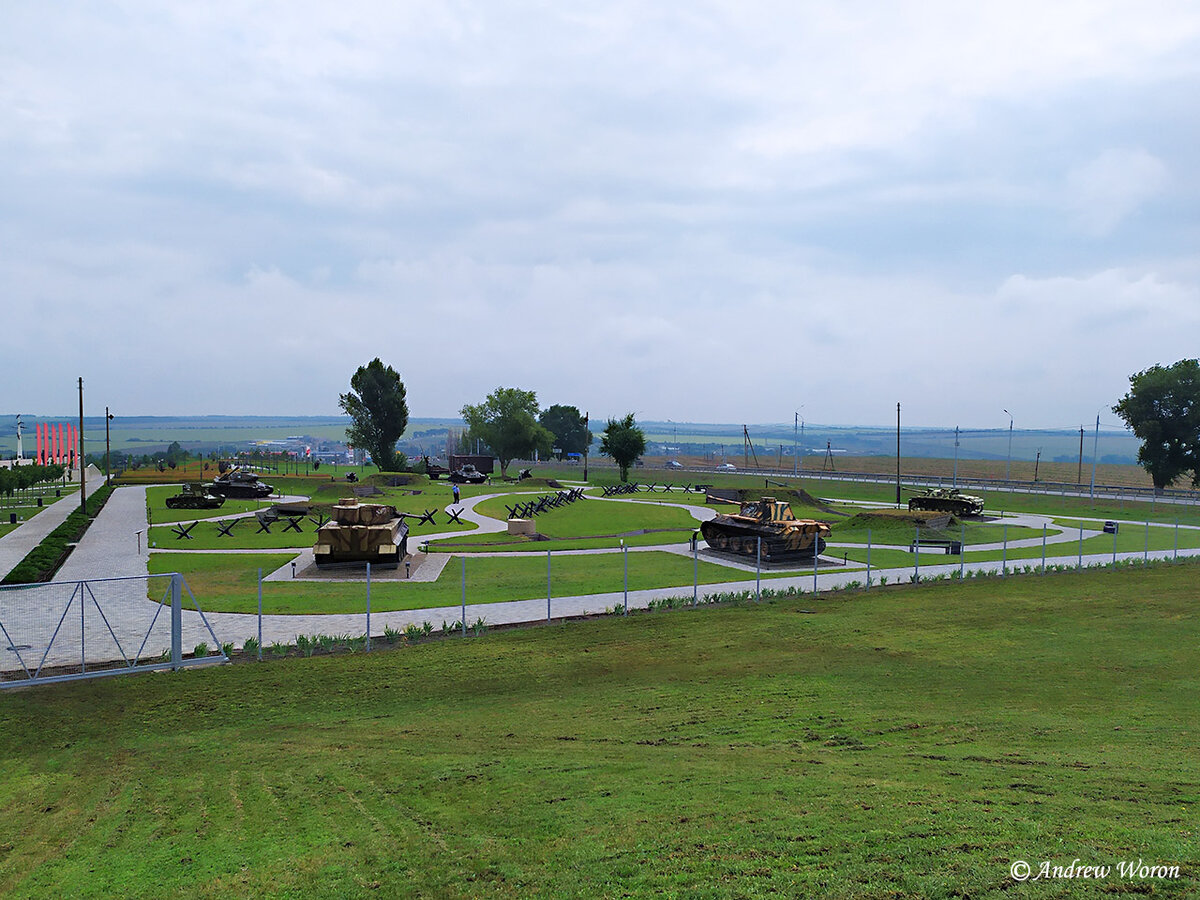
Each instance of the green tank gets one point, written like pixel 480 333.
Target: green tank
pixel 947 500
pixel 783 536
pixel 194 496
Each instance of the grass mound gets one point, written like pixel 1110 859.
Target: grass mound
pixel 910 743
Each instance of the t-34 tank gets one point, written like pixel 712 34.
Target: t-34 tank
pixel 241 484
pixel 947 500
pixel 468 474
pixel 194 495
pixel 362 532
pixel 783 535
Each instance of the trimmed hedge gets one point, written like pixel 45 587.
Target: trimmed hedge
pixel 47 557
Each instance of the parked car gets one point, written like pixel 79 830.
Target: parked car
pixel 726 467
pixel 672 464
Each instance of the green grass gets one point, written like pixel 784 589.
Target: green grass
pixel 585 524
pixel 229 583
pixel 903 743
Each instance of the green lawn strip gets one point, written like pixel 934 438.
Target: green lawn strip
pixel 228 583
pixel 907 743
pixel 160 513
pixel 572 527
pixel 213 577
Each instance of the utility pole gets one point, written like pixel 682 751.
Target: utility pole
pixel 795 445
pixel 1095 450
pixel 1079 474
pixel 956 456
pixel 897 455
pixel 82 468
pixel 588 445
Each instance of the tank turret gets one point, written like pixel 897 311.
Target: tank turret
pixel 362 532
pixel 772 521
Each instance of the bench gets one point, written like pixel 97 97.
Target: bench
pixel 951 547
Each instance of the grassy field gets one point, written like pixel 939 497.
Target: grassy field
pixel 903 743
pixel 228 583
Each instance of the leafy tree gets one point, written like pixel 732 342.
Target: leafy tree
pixel 570 432
pixel 1163 409
pixel 624 442
pixel 507 422
pixel 379 412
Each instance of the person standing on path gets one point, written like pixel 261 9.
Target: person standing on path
pixel 456 494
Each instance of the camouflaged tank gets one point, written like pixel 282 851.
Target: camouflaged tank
pixel 362 532
pixel 947 500
pixel 783 535
pixel 194 495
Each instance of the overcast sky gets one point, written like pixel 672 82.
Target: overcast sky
pixel 703 211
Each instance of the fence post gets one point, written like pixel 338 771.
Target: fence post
pixel 868 559
pixel 1004 553
pixel 758 570
pixel 625 557
pixel 1115 530
pixel 368 606
pixel 1079 565
pixel 1043 548
pixel 695 567
pixel 260 614
pixel 1146 552
pixel 962 550
pixel 917 556
pixel 547 585
pixel 816 545
pixel 176 621
pixel 464 595
pixel 1175 554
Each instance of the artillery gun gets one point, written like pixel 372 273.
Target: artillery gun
pixel 195 495
pixel 362 532
pixel 240 484
pixel 947 500
pixel 772 521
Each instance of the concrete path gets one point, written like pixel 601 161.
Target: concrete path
pixel 19 542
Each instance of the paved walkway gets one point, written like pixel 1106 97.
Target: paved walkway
pixel 19 542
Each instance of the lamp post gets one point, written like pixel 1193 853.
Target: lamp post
pixel 107 443
pixel 1008 464
pixel 795 446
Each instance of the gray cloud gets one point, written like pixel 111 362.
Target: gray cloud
pixel 617 207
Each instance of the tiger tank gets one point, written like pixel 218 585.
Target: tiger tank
pixel 947 500
pixel 783 536
pixel 362 532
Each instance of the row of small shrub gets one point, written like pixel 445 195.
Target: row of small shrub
pixel 44 560
pixel 308 645
pixel 733 598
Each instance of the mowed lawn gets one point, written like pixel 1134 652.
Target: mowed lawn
pixel 909 742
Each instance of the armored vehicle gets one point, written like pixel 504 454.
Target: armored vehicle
pixel 194 495
pixel 947 500
pixel 468 474
pixel 240 484
pixel 783 535
pixel 362 532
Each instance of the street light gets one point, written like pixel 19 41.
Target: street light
pixel 107 442
pixel 1008 464
pixel 795 445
